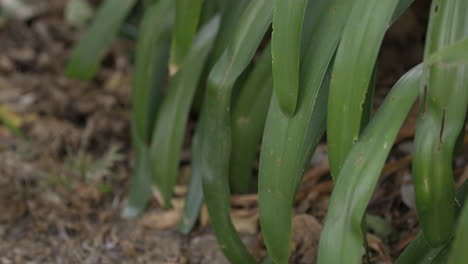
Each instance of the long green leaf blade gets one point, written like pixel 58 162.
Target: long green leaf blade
pixel 286 45
pixel 140 185
pixel 444 97
pixel 152 54
pixel 248 122
pixel 172 117
pixel 352 73
pixel 185 26
pixel 85 57
pixel 287 142
pixel 362 167
pixel 228 21
pixel 194 199
pixel 214 129
pixel 419 251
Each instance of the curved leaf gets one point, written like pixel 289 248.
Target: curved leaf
pixel 172 117
pixel 248 122
pixel 351 194
pixel 287 142
pixel 419 251
pixel 352 75
pixel 214 129
pixel 86 56
pixel 152 55
pixel 444 96
pixel 286 45
pixel 185 27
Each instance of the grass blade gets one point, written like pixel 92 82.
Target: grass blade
pixel 85 57
pixel 442 115
pixel 287 142
pixel 248 121
pixel 286 45
pixel 229 20
pixel 194 199
pixel 140 186
pixel 152 55
pixel 185 27
pixel 352 75
pixel 229 23
pixel 342 228
pixel 172 117
pixel 214 129
pixel 419 251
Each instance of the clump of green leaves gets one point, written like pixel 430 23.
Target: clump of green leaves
pixel 317 76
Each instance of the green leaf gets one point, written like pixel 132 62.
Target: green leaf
pixel 214 129
pixel 352 73
pixel 286 45
pixel 458 253
pixel 152 54
pixel 229 23
pixel 456 53
pixel 229 20
pixel 86 56
pixel 444 100
pixel 194 199
pixel 248 122
pixel 173 115
pixel 185 27
pixel 140 186
pixel 402 6
pixel 287 142
pixel 419 251
pixel 351 194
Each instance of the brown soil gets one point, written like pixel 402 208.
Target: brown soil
pixel 63 182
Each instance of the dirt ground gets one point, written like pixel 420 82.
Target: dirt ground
pixel 64 176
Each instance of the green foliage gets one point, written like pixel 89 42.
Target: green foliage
pixel 286 45
pixel 314 73
pixel 248 122
pixel 185 26
pixel 214 128
pixel 152 55
pixel 354 64
pixel 420 252
pixel 288 143
pixel 444 96
pixel 360 172
pixel 85 58
pixel 174 111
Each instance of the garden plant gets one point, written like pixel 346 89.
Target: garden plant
pixel 284 89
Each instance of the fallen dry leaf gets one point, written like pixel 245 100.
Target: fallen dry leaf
pixel 245 224
pixel 305 239
pixel 161 219
pixel 376 244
